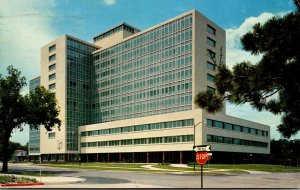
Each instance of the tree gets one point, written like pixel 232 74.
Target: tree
pixel 36 108
pixel 13 146
pixel 285 152
pixel 272 84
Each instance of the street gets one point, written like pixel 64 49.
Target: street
pixel 96 178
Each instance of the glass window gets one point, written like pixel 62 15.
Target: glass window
pixel 210 78
pixel 211 30
pixel 211 54
pixel 228 126
pixel 211 89
pixel 210 42
pixel 52 57
pixel 246 130
pixel 52 48
pixel 218 124
pixel 52 76
pixel 210 66
pixel 52 67
pixel 51 135
pixel 52 86
pixel 237 128
pixel 210 123
pixel 209 138
pixel 253 131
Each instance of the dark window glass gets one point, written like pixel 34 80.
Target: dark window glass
pixel 52 67
pixel 210 42
pixel 211 54
pixel 52 48
pixel 211 89
pixel 218 124
pixel 210 78
pixel 237 128
pixel 210 66
pixel 52 86
pixel 52 76
pixel 52 57
pixel 228 126
pixel 210 123
pixel 211 30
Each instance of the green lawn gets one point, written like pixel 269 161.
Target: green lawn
pixel 254 167
pixel 12 179
pixel 208 168
pixel 29 173
pixel 104 166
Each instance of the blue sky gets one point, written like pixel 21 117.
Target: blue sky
pixel 27 25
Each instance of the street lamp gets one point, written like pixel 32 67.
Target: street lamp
pixel 79 147
pixel 204 121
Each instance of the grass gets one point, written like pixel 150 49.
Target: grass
pixel 103 166
pixel 29 173
pixel 208 168
pixel 12 179
pixel 254 167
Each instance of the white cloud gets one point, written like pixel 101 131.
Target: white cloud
pixel 234 53
pixel 25 28
pixel 109 2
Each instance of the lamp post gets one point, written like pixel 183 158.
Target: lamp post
pixel 204 121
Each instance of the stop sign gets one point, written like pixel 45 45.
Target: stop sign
pixel 201 157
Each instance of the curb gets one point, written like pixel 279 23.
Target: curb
pixel 20 184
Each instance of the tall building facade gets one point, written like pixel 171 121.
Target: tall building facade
pixel 128 96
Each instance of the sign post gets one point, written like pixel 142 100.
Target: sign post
pixel 202 156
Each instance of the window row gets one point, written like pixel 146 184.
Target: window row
pixel 150 36
pixel 154 140
pixel 144 95
pixel 143 83
pixel 142 72
pixel 79 46
pixel 237 128
pixel 152 126
pixel 133 63
pixel 146 106
pixel 229 140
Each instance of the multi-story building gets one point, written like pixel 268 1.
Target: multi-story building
pixel 128 96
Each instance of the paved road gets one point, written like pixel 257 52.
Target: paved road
pixel 118 178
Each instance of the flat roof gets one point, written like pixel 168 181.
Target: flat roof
pixel 123 23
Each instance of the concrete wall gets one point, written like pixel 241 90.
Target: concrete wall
pixel 51 145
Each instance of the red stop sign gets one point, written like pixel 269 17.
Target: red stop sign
pixel 201 157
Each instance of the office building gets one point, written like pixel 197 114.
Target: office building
pixel 128 96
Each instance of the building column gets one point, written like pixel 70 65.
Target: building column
pixel 181 157
pixel 87 157
pixel 97 157
pixel 133 157
pixel 107 157
pixel 148 157
pixel 120 157
pixel 163 157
